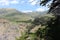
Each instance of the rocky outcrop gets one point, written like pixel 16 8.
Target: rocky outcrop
pixel 9 31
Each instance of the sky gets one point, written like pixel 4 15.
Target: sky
pixel 23 5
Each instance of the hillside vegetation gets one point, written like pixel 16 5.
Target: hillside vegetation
pixel 14 15
pixel 16 25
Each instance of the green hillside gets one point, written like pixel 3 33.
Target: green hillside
pixel 18 16
pixel 14 15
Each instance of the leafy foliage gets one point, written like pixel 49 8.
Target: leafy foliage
pixel 41 32
pixel 54 24
pixel 54 5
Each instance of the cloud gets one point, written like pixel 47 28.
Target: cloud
pixel 33 2
pixel 27 11
pixel 14 2
pixel 8 2
pixel 4 2
pixel 40 9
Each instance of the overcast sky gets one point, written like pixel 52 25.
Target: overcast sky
pixel 22 5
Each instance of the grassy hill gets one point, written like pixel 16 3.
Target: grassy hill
pixel 14 15
pixel 23 23
pixel 18 16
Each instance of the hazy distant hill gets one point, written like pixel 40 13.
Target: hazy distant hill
pixel 15 15
pixel 36 13
pixel 4 11
pixel 12 12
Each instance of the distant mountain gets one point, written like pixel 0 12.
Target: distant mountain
pixel 4 11
pixel 36 13
pixel 13 14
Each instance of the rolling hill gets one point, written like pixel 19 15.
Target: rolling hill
pixel 15 15
pixel 9 16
